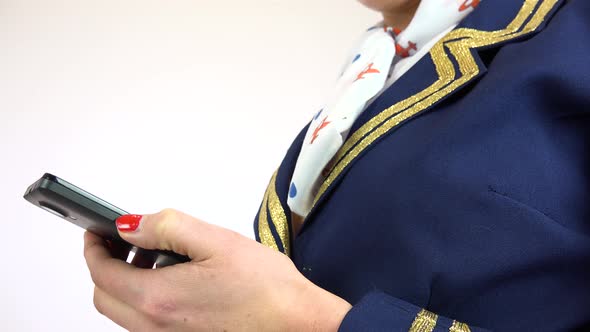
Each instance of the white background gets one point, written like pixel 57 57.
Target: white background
pixel 148 104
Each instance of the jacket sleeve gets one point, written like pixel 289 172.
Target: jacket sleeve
pixel 377 312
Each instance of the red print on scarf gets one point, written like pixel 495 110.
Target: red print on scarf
pixel 394 30
pixel 321 126
pixel 469 3
pixel 368 70
pixel 405 52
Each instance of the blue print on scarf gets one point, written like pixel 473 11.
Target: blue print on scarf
pixel 356 58
pixel 292 190
pixel 318 115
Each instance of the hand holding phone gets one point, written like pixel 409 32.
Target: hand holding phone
pixel 81 208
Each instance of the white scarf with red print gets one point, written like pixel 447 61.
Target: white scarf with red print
pixel 363 79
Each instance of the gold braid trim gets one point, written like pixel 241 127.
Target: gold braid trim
pixel 264 232
pixel 272 204
pixel 459 327
pixel 278 216
pixel 425 321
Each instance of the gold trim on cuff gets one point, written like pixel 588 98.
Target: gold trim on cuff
pixel 459 327
pixel 425 321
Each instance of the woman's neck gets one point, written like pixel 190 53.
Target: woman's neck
pixel 402 16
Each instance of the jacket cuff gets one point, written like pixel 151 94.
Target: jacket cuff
pixel 377 312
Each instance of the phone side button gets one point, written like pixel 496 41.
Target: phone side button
pixel 52 210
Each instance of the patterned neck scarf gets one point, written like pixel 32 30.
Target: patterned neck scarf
pixel 362 80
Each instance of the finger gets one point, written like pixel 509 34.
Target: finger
pixel 176 231
pixel 114 276
pixel 119 312
pixel 144 259
pixel 119 250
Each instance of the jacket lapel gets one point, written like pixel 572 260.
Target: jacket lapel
pixel 453 63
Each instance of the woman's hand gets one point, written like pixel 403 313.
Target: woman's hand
pixel 232 283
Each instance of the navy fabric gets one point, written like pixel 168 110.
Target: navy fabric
pixel 477 209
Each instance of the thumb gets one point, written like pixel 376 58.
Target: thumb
pixel 171 230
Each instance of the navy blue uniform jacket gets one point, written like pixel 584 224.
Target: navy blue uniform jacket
pixel 460 200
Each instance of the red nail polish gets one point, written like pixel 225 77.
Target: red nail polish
pixel 129 222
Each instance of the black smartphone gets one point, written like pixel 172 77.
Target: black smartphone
pixel 79 207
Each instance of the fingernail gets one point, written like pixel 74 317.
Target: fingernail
pixel 129 222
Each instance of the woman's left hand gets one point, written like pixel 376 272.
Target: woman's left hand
pixel 232 283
